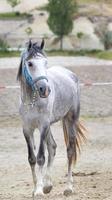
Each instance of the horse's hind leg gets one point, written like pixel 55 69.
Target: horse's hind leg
pixel 51 147
pixel 70 139
pixel 31 155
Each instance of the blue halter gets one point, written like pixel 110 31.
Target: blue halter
pixel 29 79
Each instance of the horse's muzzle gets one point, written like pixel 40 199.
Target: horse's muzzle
pixel 44 91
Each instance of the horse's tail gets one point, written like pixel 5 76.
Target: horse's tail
pixel 79 138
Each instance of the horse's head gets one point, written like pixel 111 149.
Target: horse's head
pixel 33 69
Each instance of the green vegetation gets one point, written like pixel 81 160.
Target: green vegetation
pixel 60 19
pixel 104 34
pixel 80 35
pixel 14 15
pixel 93 53
pixel 13 3
pixel 107 40
pixel 107 55
pixel 5 54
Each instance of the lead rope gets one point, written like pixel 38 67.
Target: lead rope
pixel 26 101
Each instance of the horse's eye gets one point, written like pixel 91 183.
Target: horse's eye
pixel 30 64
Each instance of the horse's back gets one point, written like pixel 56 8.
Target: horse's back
pixel 61 72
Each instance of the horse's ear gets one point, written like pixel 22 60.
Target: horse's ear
pixel 29 45
pixel 19 74
pixel 42 44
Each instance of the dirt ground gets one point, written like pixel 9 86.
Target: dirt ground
pixel 92 175
pixel 93 172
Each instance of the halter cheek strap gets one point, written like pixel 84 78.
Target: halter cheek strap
pixel 29 79
pixel 39 78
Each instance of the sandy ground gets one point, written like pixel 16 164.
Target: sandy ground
pixel 93 173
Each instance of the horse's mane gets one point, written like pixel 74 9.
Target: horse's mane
pixel 33 50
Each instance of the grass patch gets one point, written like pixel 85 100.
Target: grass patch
pixel 14 15
pixel 63 53
pixel 5 54
pixel 107 55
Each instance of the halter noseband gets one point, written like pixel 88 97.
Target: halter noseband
pixel 29 79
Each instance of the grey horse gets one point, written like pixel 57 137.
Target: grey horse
pixel 47 96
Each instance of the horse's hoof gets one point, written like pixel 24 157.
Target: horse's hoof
pixel 47 189
pixel 38 193
pixel 68 192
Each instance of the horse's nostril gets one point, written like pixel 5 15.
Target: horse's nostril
pixel 42 89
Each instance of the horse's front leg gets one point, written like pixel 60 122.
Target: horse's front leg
pixel 51 147
pixel 41 159
pixel 31 155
